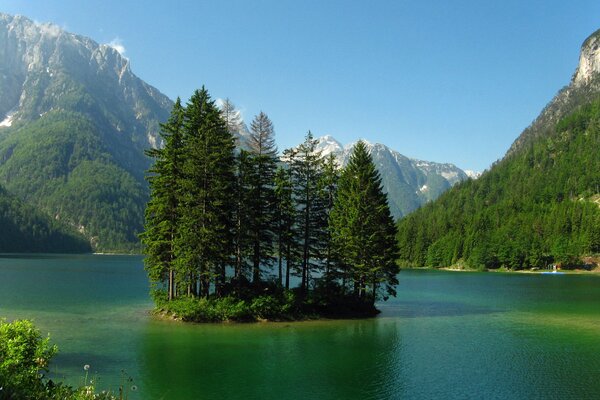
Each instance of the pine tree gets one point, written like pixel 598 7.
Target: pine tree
pixel 306 164
pixel 242 228
pixel 285 217
pixel 233 119
pixel 328 188
pixel 362 229
pixel 206 240
pixel 263 155
pixel 162 212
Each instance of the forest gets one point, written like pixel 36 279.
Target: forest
pixel 242 234
pixel 538 206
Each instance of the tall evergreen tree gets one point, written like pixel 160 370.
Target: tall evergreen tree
pixel 328 186
pixel 242 227
pixel 362 229
pixel 162 212
pixel 306 164
pixel 233 119
pixel 205 241
pixel 263 154
pixel 285 217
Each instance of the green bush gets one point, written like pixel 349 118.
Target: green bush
pixel 265 307
pixel 24 359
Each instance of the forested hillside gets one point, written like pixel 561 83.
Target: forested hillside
pixel 75 124
pixel 539 205
pixel 25 229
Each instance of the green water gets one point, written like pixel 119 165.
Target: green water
pixel 447 335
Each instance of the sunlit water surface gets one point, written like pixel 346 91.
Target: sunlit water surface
pixel 446 335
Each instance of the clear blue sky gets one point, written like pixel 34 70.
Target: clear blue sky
pixel 446 81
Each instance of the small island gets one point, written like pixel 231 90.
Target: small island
pixel 231 226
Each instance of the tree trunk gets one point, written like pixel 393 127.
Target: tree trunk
pixel 171 284
pixel 288 265
pixel 280 257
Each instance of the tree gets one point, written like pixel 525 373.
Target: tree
pixel 243 233
pixel 263 155
pixel 285 217
pixel 204 243
pixel 362 229
pixel 306 164
pixel 328 189
pixel 162 212
pixel 233 119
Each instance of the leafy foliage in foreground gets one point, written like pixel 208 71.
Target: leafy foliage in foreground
pixel 540 204
pixel 24 359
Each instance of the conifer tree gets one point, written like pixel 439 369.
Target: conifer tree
pixel 233 119
pixel 162 212
pixel 205 242
pixel 263 153
pixel 362 229
pixel 242 228
pixel 328 187
pixel 285 217
pixel 306 164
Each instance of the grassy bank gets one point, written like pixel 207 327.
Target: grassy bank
pixel 284 306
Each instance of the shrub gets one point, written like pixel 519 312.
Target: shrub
pixel 24 359
pixel 24 356
pixel 267 306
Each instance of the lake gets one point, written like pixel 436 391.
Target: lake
pixel 446 335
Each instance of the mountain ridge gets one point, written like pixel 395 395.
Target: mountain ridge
pixel 537 205
pixel 76 123
pixel 409 182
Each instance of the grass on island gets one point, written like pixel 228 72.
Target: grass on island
pixel 265 303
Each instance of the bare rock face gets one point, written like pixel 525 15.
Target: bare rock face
pixel 74 124
pixel 589 60
pixel 42 68
pixel 584 86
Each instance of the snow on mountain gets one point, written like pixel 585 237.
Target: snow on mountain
pixel 408 182
pixel 327 144
pixel 472 174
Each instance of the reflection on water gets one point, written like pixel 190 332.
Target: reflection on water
pixel 447 335
pixel 321 360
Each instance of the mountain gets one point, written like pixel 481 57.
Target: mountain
pixel 75 122
pixel 409 183
pixel 25 229
pixel 538 205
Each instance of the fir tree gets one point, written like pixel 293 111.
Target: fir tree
pixel 263 154
pixel 162 212
pixel 306 164
pixel 205 242
pixel 242 228
pixel 362 229
pixel 328 187
pixel 233 119
pixel 285 217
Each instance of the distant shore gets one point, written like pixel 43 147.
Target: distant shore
pixel 595 271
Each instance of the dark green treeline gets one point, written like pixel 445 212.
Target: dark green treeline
pixel 223 222
pixel 539 205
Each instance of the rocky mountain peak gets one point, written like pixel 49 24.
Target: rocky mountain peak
pixel 584 85
pixel 409 183
pixel 589 60
pixel 45 68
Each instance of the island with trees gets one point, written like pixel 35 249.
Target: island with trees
pixel 240 234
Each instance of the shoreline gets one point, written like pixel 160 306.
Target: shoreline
pixel 595 271
pixel 163 316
